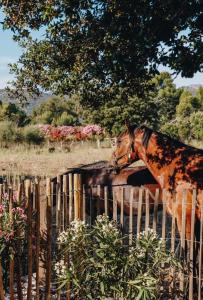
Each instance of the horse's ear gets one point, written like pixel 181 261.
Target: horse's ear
pixel 127 124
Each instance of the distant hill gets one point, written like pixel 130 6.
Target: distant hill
pixel 192 88
pixel 32 102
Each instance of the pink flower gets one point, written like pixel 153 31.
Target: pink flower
pixel 1 209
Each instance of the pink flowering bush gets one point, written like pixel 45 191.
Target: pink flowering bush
pixel 12 225
pixel 64 133
pixel 90 130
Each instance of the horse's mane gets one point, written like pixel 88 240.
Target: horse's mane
pixel 148 132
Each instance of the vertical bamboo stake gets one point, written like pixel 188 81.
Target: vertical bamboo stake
pixel 1 192
pixel 2 293
pixel 43 231
pixel 98 199
pixel 77 197
pixel 147 209
pixel 194 197
pixel 29 205
pixel 48 260
pixel 65 187
pixel 122 206
pixel 58 218
pixel 58 206
pixel 114 206
pixel 70 186
pixel 173 229
pixel 163 230
pixel 11 267
pixel 184 202
pixel 200 251
pixel 139 213
pixel 37 203
pixel 106 201
pixel 155 209
pixel 65 202
pixel 18 260
pixel 84 203
pixel 131 217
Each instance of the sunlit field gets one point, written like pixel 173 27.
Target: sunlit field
pixel 41 162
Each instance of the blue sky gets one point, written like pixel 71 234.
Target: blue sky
pixel 10 52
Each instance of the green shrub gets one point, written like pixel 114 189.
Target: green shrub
pixel 102 264
pixel 196 124
pixel 32 135
pixel 9 133
pixel 171 129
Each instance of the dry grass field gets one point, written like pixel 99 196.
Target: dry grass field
pixel 22 160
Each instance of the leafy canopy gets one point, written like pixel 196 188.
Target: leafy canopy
pixel 155 108
pixel 56 111
pixel 98 48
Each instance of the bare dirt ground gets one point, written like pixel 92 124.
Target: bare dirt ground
pixel 21 160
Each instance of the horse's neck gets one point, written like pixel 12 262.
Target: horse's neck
pixel 151 156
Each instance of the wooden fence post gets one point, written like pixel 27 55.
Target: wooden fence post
pixel 194 197
pixel 183 226
pixel 29 206
pixel 42 233
pixel 200 251
pixel 48 258
pixel 37 205
pixel 122 207
pixel 131 216
pixel 139 212
pixel 11 267
pixel 70 188
pixel 147 210
pixel 114 206
pixel 2 293
pixel 77 197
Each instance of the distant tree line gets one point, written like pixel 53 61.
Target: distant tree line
pixel 172 110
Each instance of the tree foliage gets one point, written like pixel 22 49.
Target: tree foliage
pixel 98 48
pixel 188 122
pixel 56 111
pixel 155 108
pixel 12 113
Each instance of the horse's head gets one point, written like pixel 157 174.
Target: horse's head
pixel 125 152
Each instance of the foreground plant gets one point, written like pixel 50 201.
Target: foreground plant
pixel 12 224
pixel 103 265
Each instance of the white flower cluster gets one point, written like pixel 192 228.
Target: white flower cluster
pixel 149 232
pixel 60 268
pixel 62 238
pixel 107 227
pixel 76 228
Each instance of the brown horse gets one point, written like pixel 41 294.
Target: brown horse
pixel 127 178
pixel 101 174
pixel 174 165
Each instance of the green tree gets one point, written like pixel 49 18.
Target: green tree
pixel 12 113
pixel 112 115
pixel 196 125
pixel 97 47
pixel 155 108
pixel 166 97
pixel 188 122
pixel 56 111
pixel 188 104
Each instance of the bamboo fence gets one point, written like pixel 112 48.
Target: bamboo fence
pixel 53 204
